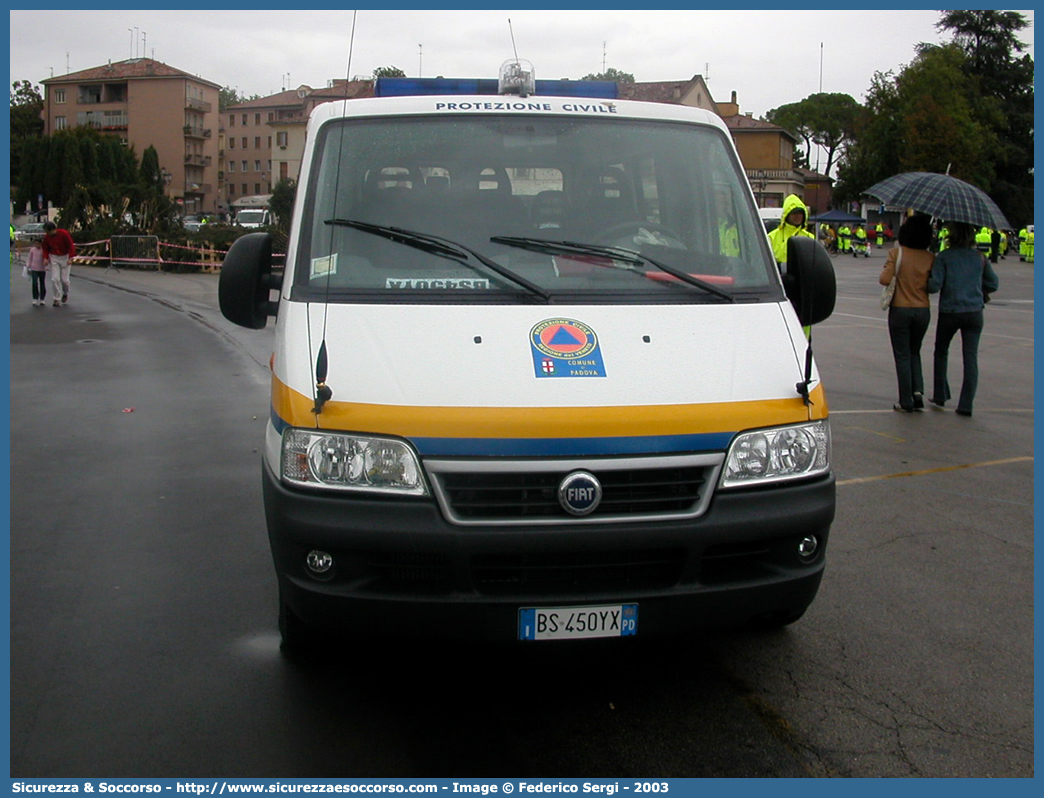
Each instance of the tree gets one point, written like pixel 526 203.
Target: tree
pixel 281 203
pixel 965 106
pixel 228 96
pixel 388 72
pixel 827 120
pixel 928 118
pixel 151 174
pixel 612 74
pixel 996 61
pixel 26 123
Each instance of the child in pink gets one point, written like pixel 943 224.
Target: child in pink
pixel 37 266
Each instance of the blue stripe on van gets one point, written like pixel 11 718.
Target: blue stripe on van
pixel 571 447
pixel 561 447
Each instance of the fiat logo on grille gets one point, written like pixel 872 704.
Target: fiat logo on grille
pixel 580 493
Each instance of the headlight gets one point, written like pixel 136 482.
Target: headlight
pixel 773 455
pixel 320 459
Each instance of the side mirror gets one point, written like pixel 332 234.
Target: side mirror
pixel 246 278
pixel 809 282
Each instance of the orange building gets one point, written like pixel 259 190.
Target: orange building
pixel 147 103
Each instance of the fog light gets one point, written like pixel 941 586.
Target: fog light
pixel 319 562
pixel 808 547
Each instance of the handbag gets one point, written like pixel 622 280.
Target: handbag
pixel 889 290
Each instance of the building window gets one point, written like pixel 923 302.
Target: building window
pixel 59 123
pixel 245 119
pixel 257 188
pixel 231 142
pixel 271 116
pixel 269 142
pixel 257 119
pixel 245 189
pixel 281 138
pixel 89 95
pixel 257 166
pixel 231 165
pixel 257 142
pixel 245 142
pixel 246 166
pixel 59 95
pixel 231 120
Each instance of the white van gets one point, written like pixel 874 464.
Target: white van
pixel 770 217
pixel 536 375
pixel 253 217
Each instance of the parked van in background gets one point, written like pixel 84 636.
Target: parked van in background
pixel 251 210
pixel 536 373
pixel 771 217
pixel 253 217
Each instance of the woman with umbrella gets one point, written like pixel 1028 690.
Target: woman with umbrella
pixel 963 278
pixel 910 312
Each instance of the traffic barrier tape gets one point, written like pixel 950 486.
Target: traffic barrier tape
pixel 160 261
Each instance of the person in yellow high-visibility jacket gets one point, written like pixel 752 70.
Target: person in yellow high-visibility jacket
pixel 880 234
pixel 983 240
pixel 1022 244
pixel 844 241
pixel 1029 244
pixel 728 238
pixel 791 223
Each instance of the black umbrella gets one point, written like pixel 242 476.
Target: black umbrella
pixel 942 196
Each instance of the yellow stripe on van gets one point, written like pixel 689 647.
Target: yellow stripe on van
pixel 295 409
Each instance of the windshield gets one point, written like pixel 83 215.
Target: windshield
pixel 250 217
pixel 671 192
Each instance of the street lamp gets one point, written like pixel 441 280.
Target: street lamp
pixel 759 184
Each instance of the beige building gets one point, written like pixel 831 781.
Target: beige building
pixel 262 141
pixel 147 103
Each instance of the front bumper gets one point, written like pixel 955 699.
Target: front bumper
pixel 400 568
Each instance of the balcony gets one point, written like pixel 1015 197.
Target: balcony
pixel 191 159
pixel 198 105
pixel 102 120
pixel 787 175
pixel 192 131
pixel 199 188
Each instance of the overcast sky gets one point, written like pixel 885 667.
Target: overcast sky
pixel 769 58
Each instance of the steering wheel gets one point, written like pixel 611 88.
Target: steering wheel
pixel 617 235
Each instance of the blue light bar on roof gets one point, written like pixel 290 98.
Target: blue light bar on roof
pixel 413 87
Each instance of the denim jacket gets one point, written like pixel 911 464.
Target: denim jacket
pixel 959 276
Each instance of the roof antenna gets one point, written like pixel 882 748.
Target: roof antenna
pixel 323 392
pixel 511 30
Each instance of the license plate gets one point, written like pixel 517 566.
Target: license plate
pixel 575 623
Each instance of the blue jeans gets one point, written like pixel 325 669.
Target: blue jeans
pixel 970 326
pixel 39 285
pixel 906 328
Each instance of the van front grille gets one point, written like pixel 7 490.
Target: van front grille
pixel 473 492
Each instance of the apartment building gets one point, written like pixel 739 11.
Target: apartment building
pixel 146 102
pixel 262 141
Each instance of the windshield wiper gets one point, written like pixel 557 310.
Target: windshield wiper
pixel 627 256
pixel 443 248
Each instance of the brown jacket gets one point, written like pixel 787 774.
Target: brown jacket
pixel 911 289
